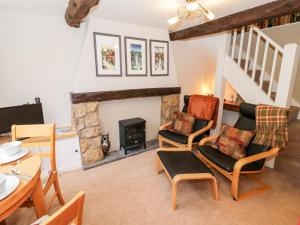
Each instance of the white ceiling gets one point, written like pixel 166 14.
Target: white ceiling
pixel 152 13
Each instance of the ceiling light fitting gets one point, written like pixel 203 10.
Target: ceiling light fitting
pixel 193 9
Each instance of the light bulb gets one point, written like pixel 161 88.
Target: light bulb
pixel 173 20
pixel 192 6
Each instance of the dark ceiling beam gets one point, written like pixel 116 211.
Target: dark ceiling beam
pixel 77 10
pixel 240 19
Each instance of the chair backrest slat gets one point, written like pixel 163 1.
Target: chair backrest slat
pixel 39 130
pixel 70 212
pixel 37 135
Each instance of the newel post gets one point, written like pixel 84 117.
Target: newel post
pixel 287 76
pixel 219 78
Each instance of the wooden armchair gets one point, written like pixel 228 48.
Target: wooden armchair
pixel 253 163
pixel 201 127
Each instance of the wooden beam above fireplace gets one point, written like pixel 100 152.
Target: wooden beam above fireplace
pixel 122 94
pixel 240 19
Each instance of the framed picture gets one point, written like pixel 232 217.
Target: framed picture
pixel 108 55
pixel 159 53
pixel 136 56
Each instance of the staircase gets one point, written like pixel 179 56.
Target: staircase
pixel 259 69
pixel 263 72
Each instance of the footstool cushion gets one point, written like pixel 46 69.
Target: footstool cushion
pixel 183 166
pixel 182 162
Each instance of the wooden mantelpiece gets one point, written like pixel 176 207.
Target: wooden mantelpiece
pixel 231 106
pixel 240 19
pixel 122 94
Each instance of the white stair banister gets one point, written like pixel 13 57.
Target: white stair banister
pixel 248 50
pixel 256 56
pixel 273 72
pixel 241 46
pixel 264 64
pixel 288 73
pixel 220 78
pixel 234 43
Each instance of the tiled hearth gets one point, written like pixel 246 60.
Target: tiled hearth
pixel 87 122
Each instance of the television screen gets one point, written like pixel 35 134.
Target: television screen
pixel 20 115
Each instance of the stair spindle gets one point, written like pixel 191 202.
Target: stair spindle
pixel 263 70
pixel 273 72
pixel 234 43
pixel 248 50
pixel 256 56
pixel 241 46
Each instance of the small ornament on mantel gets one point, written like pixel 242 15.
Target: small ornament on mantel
pixel 105 143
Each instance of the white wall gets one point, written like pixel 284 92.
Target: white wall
pixel 37 59
pixel 86 79
pixel 196 62
pixel 113 111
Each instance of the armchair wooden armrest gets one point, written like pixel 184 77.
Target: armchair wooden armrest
pixel 208 139
pixel 201 131
pixel 164 126
pixel 242 162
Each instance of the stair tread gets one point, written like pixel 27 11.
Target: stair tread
pixel 273 95
pixel 243 62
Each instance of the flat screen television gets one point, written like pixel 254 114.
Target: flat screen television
pixel 20 115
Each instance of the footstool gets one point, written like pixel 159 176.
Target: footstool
pixel 184 165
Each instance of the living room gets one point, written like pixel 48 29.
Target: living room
pixel 92 68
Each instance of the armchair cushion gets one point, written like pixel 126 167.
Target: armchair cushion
pixel 226 162
pixel 233 141
pixel 182 123
pixel 179 138
pixel 183 139
pixel 198 125
pixel 246 120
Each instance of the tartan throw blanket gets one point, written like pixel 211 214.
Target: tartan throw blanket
pixel 204 108
pixel 271 126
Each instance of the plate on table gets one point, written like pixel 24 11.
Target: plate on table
pixel 10 158
pixel 12 182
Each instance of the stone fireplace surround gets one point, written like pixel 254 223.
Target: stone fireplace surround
pixel 86 121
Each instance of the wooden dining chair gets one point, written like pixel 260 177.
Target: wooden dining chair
pixel 41 135
pixel 70 213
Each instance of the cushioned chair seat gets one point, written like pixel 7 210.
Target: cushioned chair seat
pixel 226 162
pixel 179 138
pixel 182 162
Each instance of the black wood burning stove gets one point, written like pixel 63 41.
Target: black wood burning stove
pixel 132 133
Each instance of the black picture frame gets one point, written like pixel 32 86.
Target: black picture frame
pixel 96 58
pixel 151 59
pixel 126 56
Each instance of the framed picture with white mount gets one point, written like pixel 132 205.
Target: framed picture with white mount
pixel 108 55
pixel 135 56
pixel 159 58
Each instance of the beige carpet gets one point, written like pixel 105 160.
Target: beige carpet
pixel 129 192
